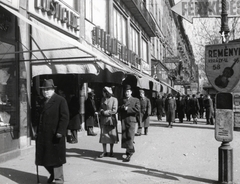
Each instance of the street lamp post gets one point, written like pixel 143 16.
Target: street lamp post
pixel 225 152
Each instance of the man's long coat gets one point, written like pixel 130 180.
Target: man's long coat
pixel 54 118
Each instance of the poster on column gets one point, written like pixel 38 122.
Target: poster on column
pixel 222 65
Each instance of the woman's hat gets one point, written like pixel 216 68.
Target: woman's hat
pixel 108 89
pixel 48 83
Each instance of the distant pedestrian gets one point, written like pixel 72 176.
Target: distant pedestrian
pixel 90 113
pixel 201 105
pixel 194 108
pixel 181 107
pixel 160 101
pixel 108 121
pixel 128 109
pixel 208 105
pixel 74 123
pixel 188 108
pixel 170 107
pixel 145 112
pixel 51 131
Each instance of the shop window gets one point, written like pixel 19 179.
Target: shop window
pixel 8 85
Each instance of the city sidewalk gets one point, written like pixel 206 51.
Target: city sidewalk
pixel 186 154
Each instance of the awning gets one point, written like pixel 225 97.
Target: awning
pixel 54 52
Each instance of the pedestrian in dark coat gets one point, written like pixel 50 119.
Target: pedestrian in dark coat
pixel 51 131
pixel 208 104
pixel 90 113
pixel 194 108
pixel 74 122
pixel 129 108
pixel 170 107
pixel 188 108
pixel 181 107
pixel 160 107
pixel 145 112
pixel 201 105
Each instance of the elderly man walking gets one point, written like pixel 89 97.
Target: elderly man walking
pixel 51 130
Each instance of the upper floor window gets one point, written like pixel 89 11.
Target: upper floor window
pixel 134 40
pixel 120 26
pixel 89 10
pixel 144 51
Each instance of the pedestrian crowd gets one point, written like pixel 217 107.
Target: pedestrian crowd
pixel 185 106
pixel 59 121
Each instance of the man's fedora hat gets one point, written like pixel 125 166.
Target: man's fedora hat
pixel 48 83
pixel 128 87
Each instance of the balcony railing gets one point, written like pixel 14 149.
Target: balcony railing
pixel 141 14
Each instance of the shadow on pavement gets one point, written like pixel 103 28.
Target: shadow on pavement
pixel 89 154
pixel 21 177
pixel 183 125
pixel 93 156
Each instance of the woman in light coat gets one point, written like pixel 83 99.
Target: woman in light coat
pixel 108 121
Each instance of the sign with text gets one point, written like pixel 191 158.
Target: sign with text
pixel 189 9
pixel 224 125
pixel 57 14
pixel 12 3
pixel 222 64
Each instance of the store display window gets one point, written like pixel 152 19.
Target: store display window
pixel 8 85
pixel 8 70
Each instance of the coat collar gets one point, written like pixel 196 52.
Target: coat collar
pixel 50 102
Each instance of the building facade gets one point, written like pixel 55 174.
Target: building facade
pixel 83 44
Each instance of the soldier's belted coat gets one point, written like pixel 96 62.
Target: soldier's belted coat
pixel 54 118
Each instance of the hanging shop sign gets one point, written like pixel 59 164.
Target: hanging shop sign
pixel 172 60
pixel 56 13
pixel 189 9
pixel 12 3
pixel 222 66
pixel 113 47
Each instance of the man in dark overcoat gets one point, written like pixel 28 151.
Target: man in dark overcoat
pixel 208 104
pixel 194 108
pixel 160 102
pixel 145 112
pixel 129 108
pixel 181 106
pixel 170 108
pixel 51 131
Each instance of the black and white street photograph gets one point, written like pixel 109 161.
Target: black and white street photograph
pixel 120 91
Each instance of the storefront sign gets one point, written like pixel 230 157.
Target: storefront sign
pixel 113 47
pixel 222 66
pixel 224 125
pixel 172 60
pixel 190 9
pixel 13 3
pixel 56 13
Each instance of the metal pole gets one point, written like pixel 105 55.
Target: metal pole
pixel 225 152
